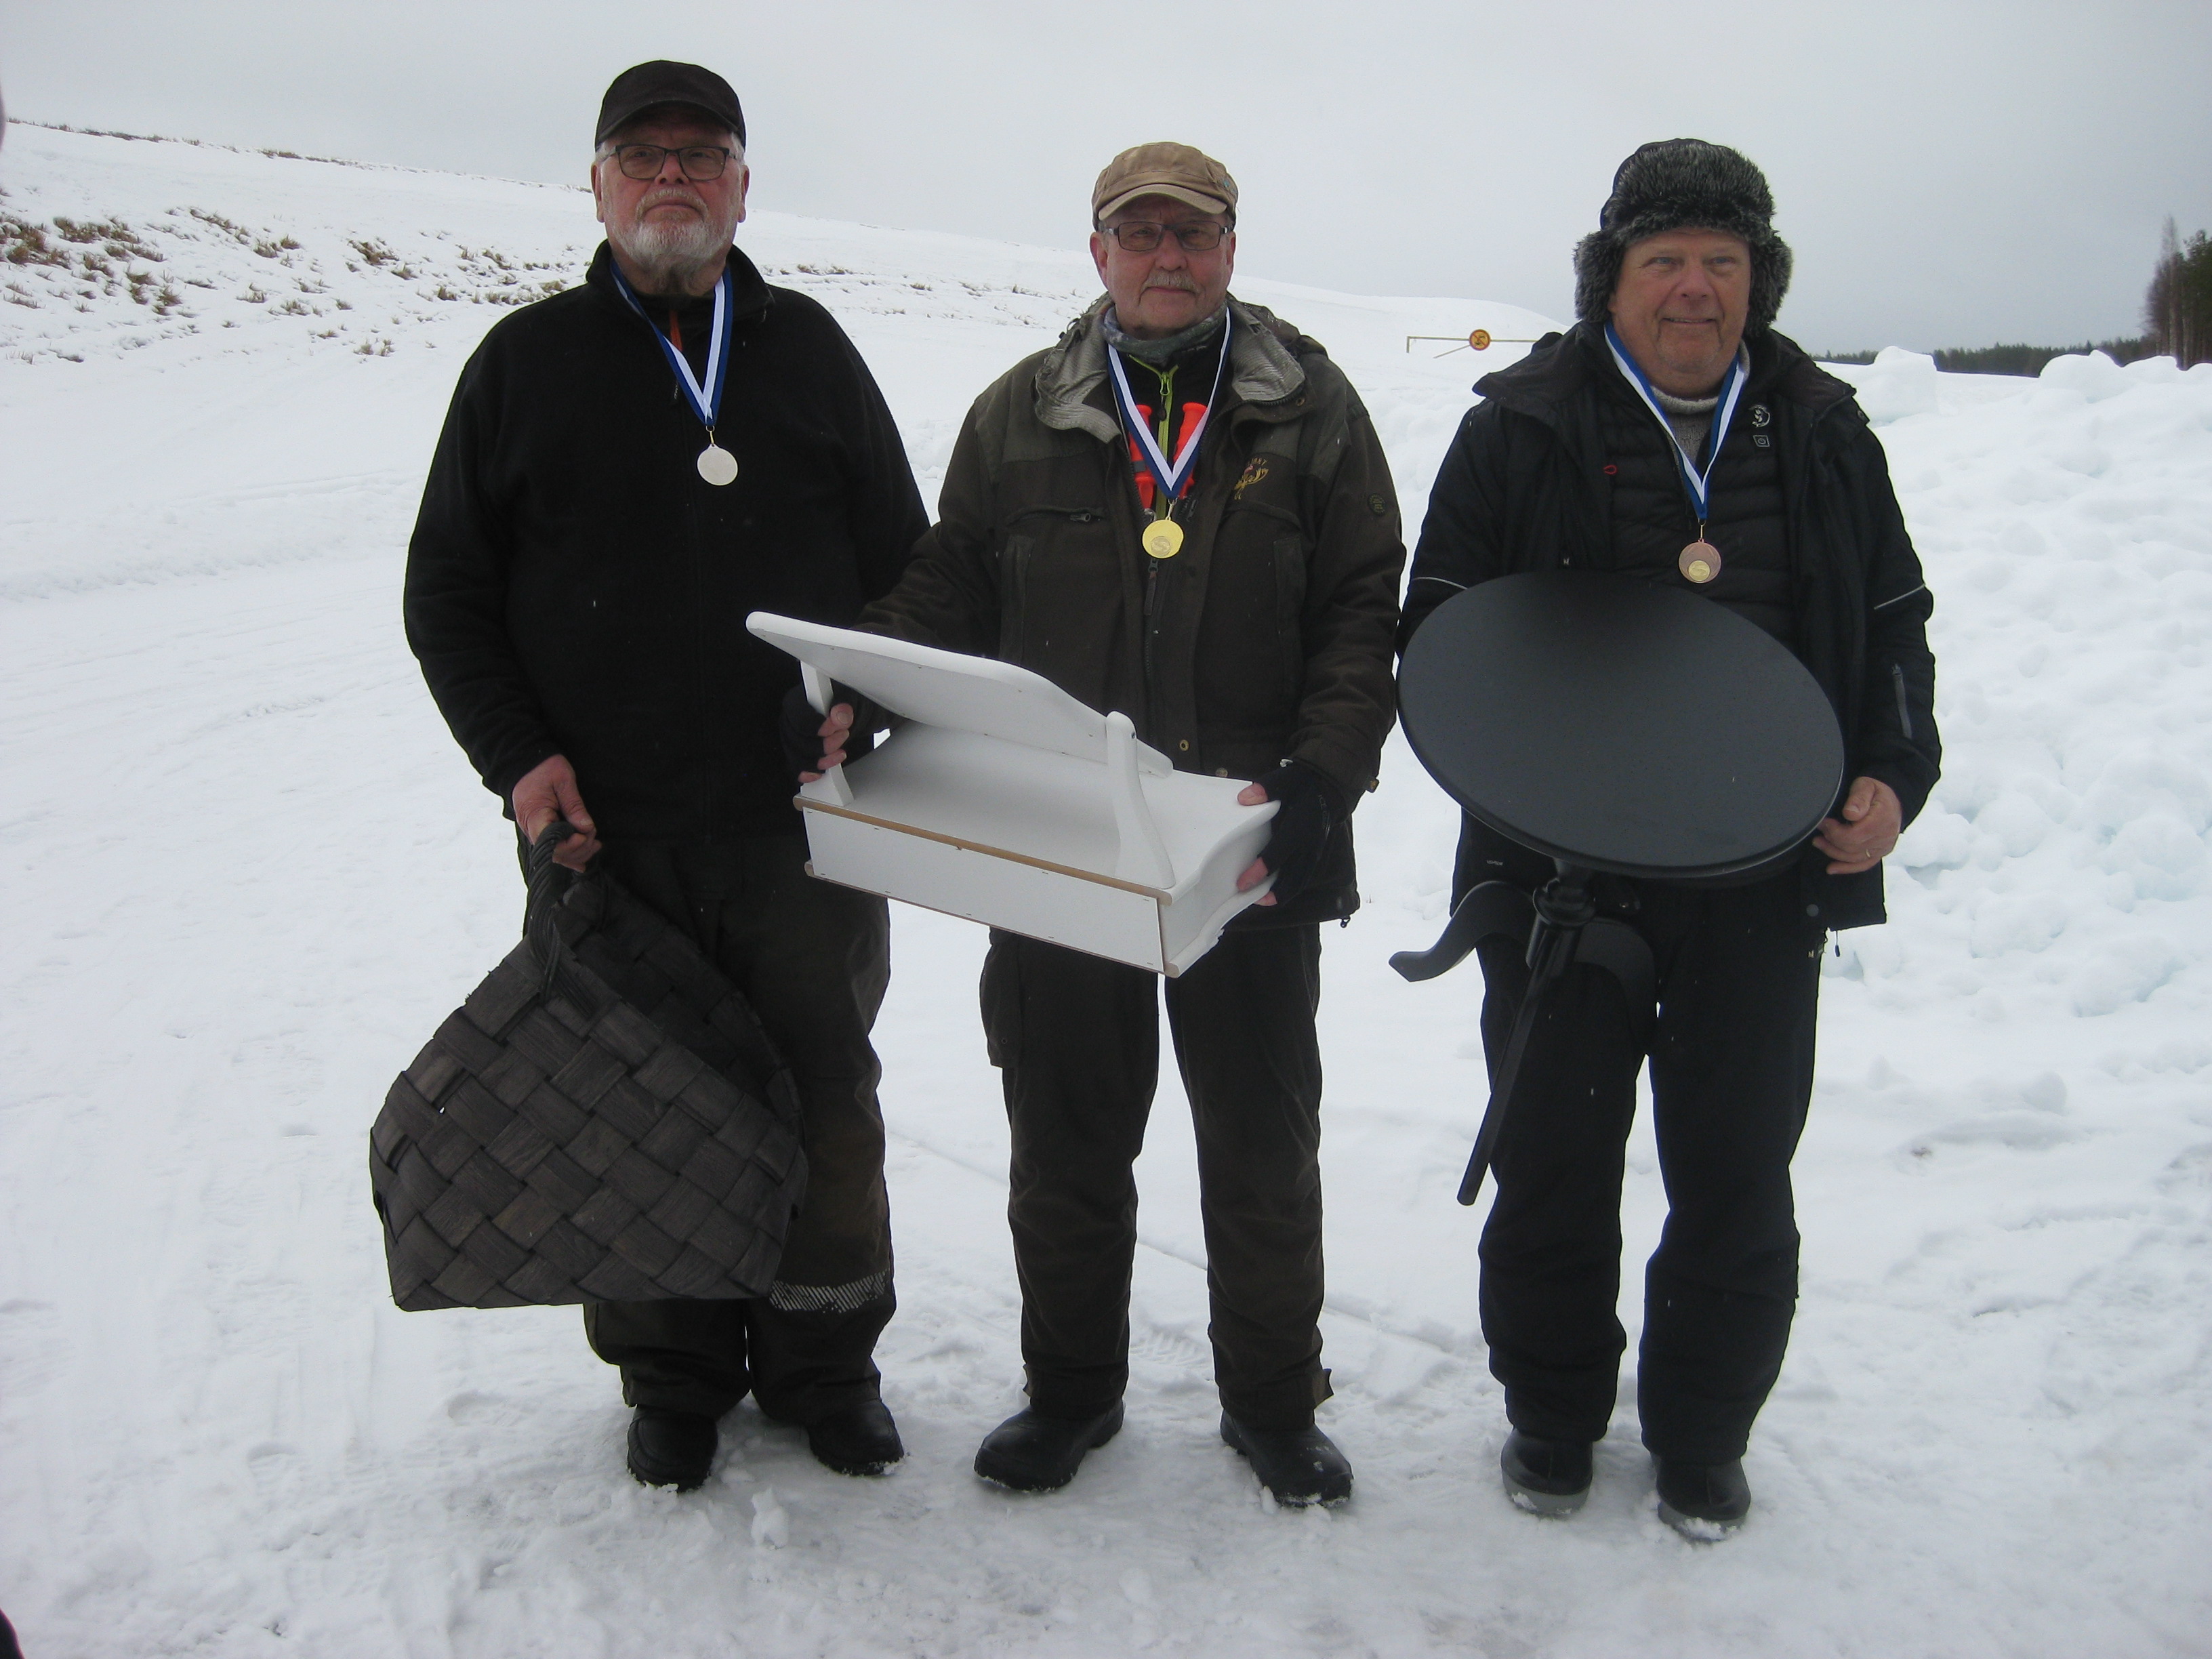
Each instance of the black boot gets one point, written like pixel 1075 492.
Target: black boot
pixel 856 1439
pixel 1703 1502
pixel 1299 1466
pixel 1033 1453
pixel 670 1449
pixel 1546 1477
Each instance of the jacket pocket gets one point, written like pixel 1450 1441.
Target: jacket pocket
pixel 1013 594
pixel 1290 561
pixel 1064 604
pixel 1248 660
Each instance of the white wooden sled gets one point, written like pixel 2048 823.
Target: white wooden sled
pixel 1007 801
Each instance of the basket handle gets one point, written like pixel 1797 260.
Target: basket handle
pixel 547 881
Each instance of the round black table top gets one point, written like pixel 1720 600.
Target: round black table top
pixel 1620 726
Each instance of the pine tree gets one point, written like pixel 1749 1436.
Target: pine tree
pixel 2178 309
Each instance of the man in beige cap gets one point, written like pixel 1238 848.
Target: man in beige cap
pixel 1180 511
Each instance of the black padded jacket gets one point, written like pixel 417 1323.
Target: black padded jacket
pixel 1526 486
pixel 573 586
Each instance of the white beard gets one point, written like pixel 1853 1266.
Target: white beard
pixel 670 249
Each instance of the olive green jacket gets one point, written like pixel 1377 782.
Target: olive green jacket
pixel 1268 636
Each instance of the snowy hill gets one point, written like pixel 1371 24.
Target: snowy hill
pixel 246 872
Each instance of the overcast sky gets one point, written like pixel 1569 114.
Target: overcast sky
pixel 1948 174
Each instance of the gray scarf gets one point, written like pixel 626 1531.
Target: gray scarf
pixel 1158 353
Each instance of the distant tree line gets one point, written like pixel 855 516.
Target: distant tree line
pixel 2177 322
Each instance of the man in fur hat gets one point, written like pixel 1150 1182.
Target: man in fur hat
pixel 1673 436
pixel 1181 511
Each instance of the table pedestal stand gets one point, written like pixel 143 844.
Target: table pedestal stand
pixel 1562 926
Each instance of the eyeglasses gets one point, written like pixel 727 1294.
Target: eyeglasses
pixel 699 162
pixel 1139 236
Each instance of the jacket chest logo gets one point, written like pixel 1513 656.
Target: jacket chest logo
pixel 1255 471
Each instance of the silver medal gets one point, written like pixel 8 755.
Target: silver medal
pixel 717 465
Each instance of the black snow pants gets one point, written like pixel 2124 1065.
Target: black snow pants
pixel 1731 1062
pixel 815 960
pixel 1077 1041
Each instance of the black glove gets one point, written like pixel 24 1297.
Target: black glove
pixel 1311 807
pixel 799 728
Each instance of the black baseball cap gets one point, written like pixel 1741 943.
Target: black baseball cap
pixel 637 90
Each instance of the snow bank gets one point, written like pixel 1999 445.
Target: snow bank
pixel 245 871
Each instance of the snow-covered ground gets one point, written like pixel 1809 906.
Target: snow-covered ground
pixel 245 871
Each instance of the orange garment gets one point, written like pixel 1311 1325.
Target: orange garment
pixel 1147 488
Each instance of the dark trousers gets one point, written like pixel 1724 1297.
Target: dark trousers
pixel 814 959
pixel 1731 1077
pixel 1078 1039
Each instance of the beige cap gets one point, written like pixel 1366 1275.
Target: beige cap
pixel 1163 169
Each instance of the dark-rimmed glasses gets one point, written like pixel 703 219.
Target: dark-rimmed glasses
pixel 699 162
pixel 1141 236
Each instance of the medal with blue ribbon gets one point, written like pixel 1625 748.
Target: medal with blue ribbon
pixel 716 465
pixel 1163 538
pixel 1701 561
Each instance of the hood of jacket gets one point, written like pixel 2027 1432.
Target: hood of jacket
pixel 1263 367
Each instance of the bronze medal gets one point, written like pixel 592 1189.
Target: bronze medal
pixel 1163 539
pixel 1701 561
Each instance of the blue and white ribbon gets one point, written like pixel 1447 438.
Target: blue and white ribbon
pixel 1731 390
pixel 706 400
pixel 1168 479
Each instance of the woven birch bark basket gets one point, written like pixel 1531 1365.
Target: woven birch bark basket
pixel 603 1120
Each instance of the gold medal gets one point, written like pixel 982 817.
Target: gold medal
pixel 1701 561
pixel 1163 539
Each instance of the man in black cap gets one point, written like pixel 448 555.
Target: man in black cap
pixel 627 469
pixel 1672 436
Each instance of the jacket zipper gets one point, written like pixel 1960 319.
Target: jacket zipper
pixel 1904 714
pixel 1145 655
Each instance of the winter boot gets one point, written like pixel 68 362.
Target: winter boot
pixel 1546 1477
pixel 1031 1452
pixel 1703 1502
pixel 1299 1466
pixel 857 1439
pixel 670 1449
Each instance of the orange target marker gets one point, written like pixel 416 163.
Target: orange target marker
pixel 1481 339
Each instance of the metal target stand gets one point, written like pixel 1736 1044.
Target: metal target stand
pixel 1612 725
pixel 1481 339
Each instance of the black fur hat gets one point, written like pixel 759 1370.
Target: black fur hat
pixel 1680 184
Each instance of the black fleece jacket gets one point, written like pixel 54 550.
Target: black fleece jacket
pixel 1526 486
pixel 574 587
